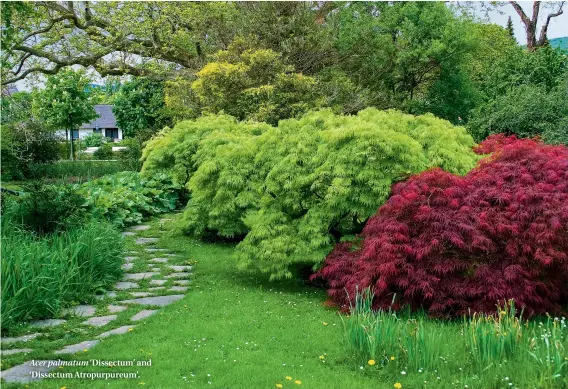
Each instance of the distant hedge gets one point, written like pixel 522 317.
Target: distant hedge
pixel 294 190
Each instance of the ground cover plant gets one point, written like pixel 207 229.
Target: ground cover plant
pixel 78 171
pixel 454 245
pixel 125 198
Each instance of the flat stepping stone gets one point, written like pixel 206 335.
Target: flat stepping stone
pixel 146 240
pixel 158 282
pixel 143 314
pixel 79 347
pixel 159 260
pixel 182 282
pixel 115 308
pixel 141 294
pixel 107 294
pixel 48 323
pixel 139 276
pixel 155 269
pixel 127 266
pixel 23 373
pixel 128 233
pixel 24 338
pixel 157 288
pixel 160 301
pixel 178 275
pixel 141 227
pixel 171 255
pixel 17 351
pixel 130 259
pixel 165 219
pixel 125 285
pixel 178 289
pixel 179 268
pixel 155 250
pixel 80 310
pixel 116 331
pixel 99 321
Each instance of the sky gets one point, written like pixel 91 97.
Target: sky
pixel 557 28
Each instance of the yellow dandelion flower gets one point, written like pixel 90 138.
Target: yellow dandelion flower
pixel 141 383
pixel 130 329
pixel 85 350
pixel 289 378
pixel 279 386
pixel 324 323
pixel 322 357
pixel 398 385
pixel 63 387
pixel 298 382
pixel 371 362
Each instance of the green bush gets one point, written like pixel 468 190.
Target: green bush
pixel 130 157
pixel 329 173
pixel 298 188
pixel 94 140
pixel 172 150
pixel 44 209
pixel 24 145
pixel 104 152
pixel 125 198
pixel 40 275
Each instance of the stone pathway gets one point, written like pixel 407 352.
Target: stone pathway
pixel 165 283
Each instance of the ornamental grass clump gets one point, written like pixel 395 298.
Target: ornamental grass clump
pixel 42 274
pixel 485 350
pixel 456 245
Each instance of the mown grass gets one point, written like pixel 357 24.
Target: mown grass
pixel 236 330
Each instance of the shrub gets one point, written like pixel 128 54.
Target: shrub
pixel 44 209
pixel 125 198
pixel 24 145
pixel 130 157
pixel 301 186
pixel 39 276
pixel 453 245
pixel 172 150
pixel 326 174
pixel 104 152
pixel 94 140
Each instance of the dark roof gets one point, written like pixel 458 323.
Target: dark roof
pixel 106 118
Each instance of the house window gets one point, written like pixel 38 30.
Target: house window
pixel 111 133
pixel 97 130
pixel 75 134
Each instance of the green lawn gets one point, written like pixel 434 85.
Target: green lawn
pixel 231 331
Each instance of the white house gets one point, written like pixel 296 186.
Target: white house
pixel 104 124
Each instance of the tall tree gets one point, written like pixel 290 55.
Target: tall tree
pixel 530 23
pixel 65 103
pixel 510 28
pixel 139 107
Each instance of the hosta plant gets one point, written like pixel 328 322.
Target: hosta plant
pixel 454 245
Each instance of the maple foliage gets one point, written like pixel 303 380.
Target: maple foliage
pixel 454 245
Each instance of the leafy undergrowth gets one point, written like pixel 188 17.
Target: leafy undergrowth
pixel 234 331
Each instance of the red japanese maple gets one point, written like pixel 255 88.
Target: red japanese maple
pixel 454 245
